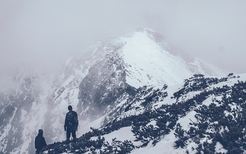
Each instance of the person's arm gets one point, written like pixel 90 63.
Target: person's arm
pixel 65 124
pixel 45 144
pixel 36 144
pixel 76 120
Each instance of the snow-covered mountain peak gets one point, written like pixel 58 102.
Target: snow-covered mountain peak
pixel 148 63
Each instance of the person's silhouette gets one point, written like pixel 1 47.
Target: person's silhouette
pixel 71 123
pixel 40 142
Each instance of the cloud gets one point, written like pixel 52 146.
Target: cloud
pixel 40 35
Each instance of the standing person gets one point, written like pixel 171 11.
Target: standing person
pixel 40 142
pixel 71 123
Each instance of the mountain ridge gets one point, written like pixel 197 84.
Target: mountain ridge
pixel 167 125
pixel 109 79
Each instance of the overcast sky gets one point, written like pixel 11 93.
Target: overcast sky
pixel 41 34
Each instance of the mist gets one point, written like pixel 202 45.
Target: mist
pixel 40 35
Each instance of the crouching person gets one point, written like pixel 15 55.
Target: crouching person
pixel 40 142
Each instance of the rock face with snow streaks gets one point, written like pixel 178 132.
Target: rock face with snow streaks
pixel 127 64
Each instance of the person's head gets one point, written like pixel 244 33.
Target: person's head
pixel 40 132
pixel 70 108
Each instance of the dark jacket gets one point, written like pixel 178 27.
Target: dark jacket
pixel 40 142
pixel 71 121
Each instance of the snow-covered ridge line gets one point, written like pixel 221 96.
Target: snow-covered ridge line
pixel 165 127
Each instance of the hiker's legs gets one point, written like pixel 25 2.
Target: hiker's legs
pixel 68 135
pixel 38 152
pixel 74 135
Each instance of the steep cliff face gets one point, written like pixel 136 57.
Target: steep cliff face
pixel 104 83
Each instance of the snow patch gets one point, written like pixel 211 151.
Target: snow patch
pixel 166 145
pixel 186 121
pixel 122 134
pixel 220 149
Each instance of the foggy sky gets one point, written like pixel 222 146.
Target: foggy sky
pixel 41 34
